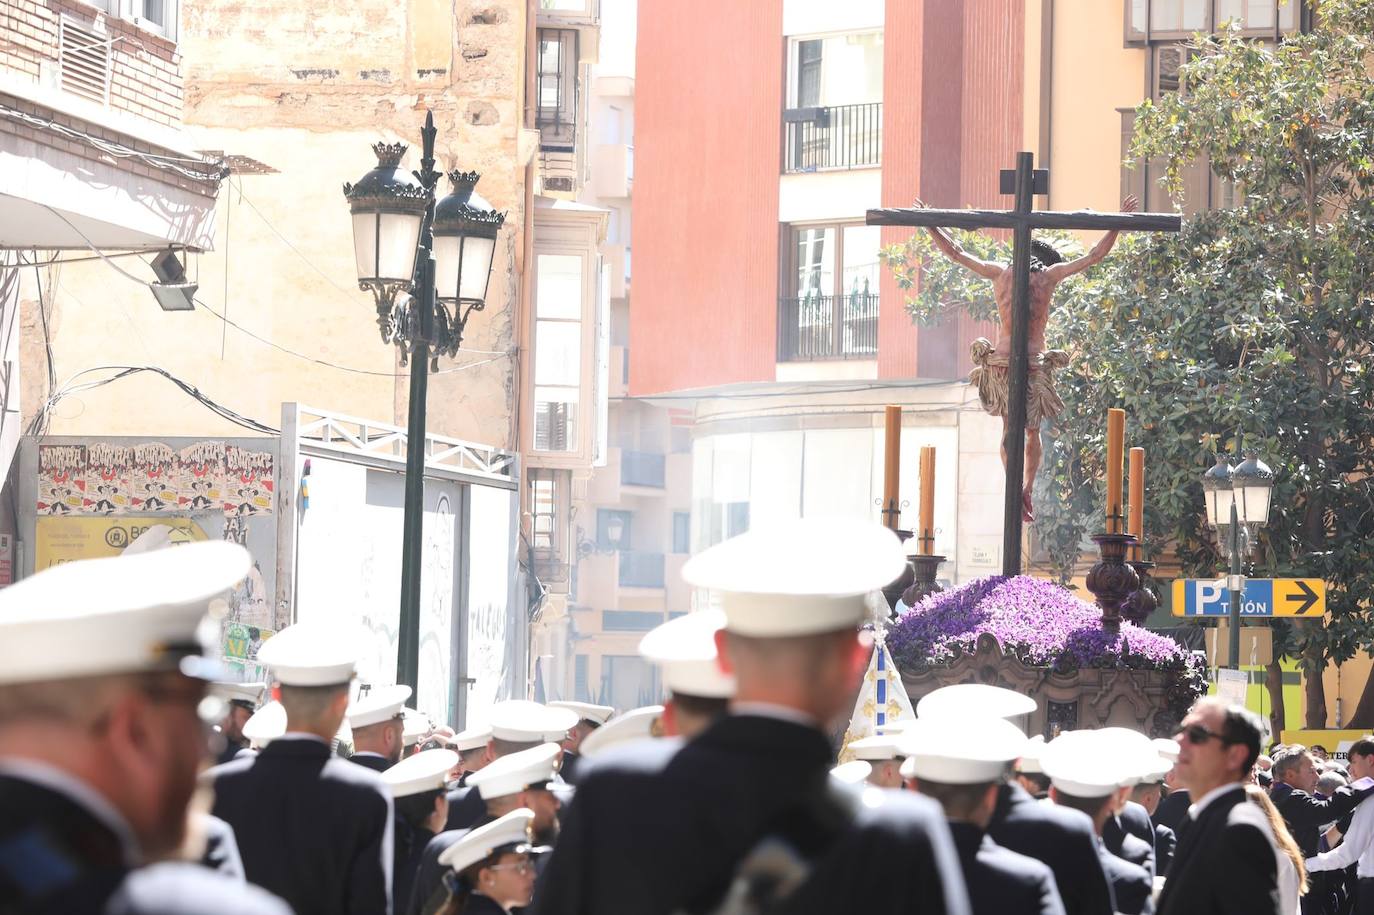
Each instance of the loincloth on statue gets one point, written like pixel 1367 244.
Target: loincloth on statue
pixel 990 376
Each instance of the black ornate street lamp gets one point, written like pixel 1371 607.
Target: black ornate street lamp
pixel 1237 503
pixel 427 264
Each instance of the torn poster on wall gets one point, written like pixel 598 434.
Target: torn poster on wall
pixel 111 479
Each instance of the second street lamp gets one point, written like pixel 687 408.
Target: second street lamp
pixel 1237 502
pixel 427 266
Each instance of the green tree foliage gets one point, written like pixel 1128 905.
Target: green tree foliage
pixel 1258 318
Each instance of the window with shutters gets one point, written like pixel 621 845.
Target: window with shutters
pixel 559 284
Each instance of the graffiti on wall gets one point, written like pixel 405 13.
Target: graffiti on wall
pixel 114 479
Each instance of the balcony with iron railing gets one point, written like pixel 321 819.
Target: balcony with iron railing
pixel 828 327
pixel 835 137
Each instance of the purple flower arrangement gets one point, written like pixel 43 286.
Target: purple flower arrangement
pixel 1040 623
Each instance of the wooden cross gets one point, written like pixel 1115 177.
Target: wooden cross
pixel 1024 182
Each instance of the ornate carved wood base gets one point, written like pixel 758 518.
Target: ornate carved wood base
pixel 1086 698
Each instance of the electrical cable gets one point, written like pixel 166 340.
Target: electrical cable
pixel 324 362
pixel 39 425
pixel 216 171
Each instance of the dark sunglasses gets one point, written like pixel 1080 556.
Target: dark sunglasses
pixel 1197 735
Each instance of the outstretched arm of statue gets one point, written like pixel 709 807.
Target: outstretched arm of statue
pixel 1098 253
pixel 951 250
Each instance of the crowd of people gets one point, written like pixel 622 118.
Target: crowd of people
pixel 132 782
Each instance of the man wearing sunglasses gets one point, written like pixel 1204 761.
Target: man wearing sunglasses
pixel 104 723
pixel 1225 861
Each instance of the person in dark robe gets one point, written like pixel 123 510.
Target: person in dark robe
pixel 746 814
pixel 103 726
pixel 315 829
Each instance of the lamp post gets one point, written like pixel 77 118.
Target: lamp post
pixel 427 263
pixel 1237 507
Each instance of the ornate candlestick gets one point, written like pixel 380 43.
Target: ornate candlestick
pixel 1144 600
pixel 925 584
pixel 1112 580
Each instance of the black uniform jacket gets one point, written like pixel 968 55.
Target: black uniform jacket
pixel 1165 842
pixel 1132 885
pixel 429 876
pixel 312 828
pixel 58 858
pixel 1224 863
pixel 1001 882
pixel 1305 814
pixel 661 827
pixel 374 761
pixel 1173 810
pixel 410 847
pixel 1133 822
pixel 465 808
pixel 1062 838
pixel 568 769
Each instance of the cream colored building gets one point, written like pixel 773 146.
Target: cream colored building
pixel 290 97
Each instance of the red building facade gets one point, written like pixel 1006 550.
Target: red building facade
pixel 750 113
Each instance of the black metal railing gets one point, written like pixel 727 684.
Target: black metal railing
pixel 843 136
pixel 828 327
pixel 641 468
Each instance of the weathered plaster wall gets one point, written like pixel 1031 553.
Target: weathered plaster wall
pixel 305 88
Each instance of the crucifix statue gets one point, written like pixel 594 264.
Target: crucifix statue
pixel 1023 304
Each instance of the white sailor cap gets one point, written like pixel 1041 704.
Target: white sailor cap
pixel 516 772
pixel 685 651
pixel 422 772
pixel 416 728
pixel 636 724
pixel 1138 755
pixel 877 748
pixel 382 704
pixel 853 772
pixel 244 694
pixel 311 654
pixel 123 614
pixel 1167 747
pixel 977 699
pixel 961 750
pixel 266 724
pixel 586 711
pixel 1084 764
pixel 1030 756
pixel 523 721
pixel 472 738
pixel 801 577
pixel 508 833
